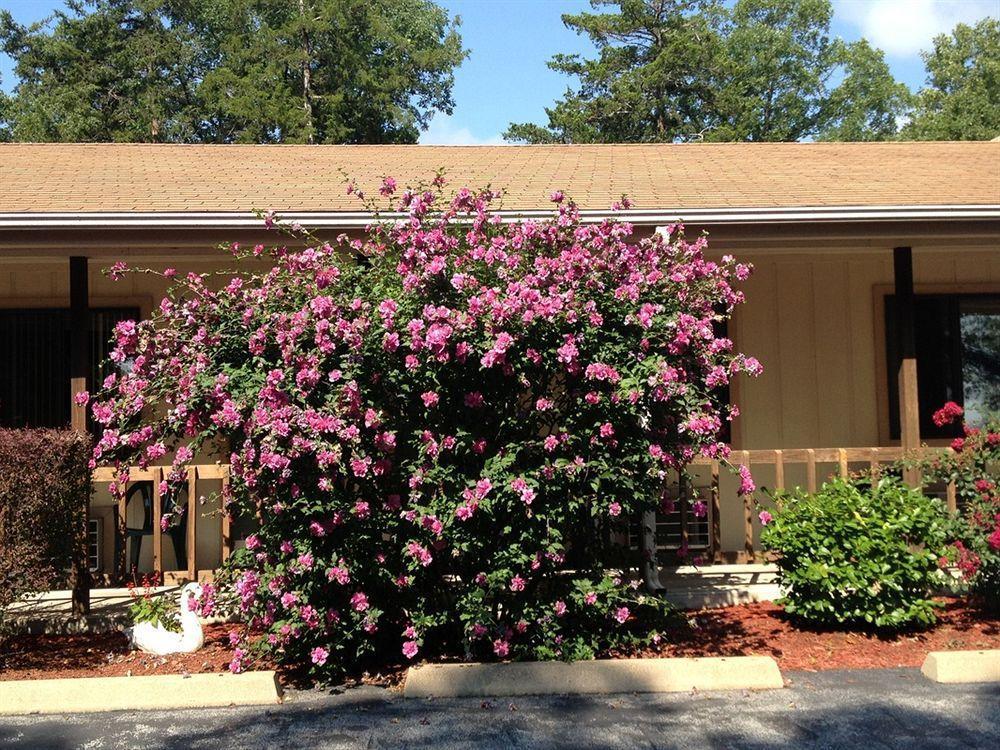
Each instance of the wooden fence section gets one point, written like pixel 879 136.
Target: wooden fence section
pixel 154 475
pixel 781 460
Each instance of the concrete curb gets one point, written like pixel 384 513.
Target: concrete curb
pixel 89 694
pixel 593 677
pixel 962 666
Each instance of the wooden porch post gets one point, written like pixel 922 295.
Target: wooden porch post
pixel 909 404
pixel 79 373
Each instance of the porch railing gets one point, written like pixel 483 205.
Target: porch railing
pixel 811 464
pixel 817 464
pixel 155 474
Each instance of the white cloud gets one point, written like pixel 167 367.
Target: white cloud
pixel 905 27
pixel 442 131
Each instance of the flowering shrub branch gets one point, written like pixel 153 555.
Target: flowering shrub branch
pixel 974 466
pixel 438 425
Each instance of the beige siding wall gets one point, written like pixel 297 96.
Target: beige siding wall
pixel 813 321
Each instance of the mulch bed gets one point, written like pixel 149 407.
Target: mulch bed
pixel 764 629
pixel 750 629
pixel 38 657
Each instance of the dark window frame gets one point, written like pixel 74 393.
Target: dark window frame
pixel 939 353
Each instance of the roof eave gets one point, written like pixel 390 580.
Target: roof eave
pixel 646 217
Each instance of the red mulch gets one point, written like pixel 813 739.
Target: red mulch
pixel 750 629
pixel 764 629
pixel 37 657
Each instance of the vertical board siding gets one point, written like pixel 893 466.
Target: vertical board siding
pixel 811 320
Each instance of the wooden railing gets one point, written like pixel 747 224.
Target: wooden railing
pixel 781 462
pixel 154 474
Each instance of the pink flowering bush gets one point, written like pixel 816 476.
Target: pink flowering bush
pixel 974 467
pixel 438 425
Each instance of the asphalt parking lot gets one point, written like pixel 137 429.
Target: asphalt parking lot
pixel 894 709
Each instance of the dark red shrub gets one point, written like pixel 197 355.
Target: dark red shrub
pixel 44 485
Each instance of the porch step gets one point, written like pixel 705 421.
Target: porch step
pixel 691 587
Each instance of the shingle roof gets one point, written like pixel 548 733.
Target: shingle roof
pixel 203 178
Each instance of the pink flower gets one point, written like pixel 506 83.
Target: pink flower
pixel 81 398
pixel 388 187
pixel 590 598
pixel 765 518
pixel 319 655
pixel 430 399
pixel 747 485
pixel 621 614
pixel 501 647
pixel 517 583
pixel 560 608
pixel 410 649
pixel 359 602
pixel 614 509
pixel 338 574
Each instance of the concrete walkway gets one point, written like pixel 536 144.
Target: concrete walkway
pixel 692 587
pixel 51 611
pixel 880 709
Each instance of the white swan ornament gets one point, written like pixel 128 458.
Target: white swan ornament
pixel 156 639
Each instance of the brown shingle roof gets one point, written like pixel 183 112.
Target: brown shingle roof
pixel 169 178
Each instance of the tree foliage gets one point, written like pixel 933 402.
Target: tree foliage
pixel 677 70
pixel 962 98
pixel 298 71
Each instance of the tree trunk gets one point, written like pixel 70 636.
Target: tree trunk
pixel 307 75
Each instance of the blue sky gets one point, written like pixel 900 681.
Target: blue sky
pixel 505 78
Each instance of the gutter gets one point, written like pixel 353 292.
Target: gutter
pixel 346 220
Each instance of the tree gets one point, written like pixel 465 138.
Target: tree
pixel 649 82
pixel 762 70
pixel 115 74
pixel 869 103
pixel 299 71
pixel 961 100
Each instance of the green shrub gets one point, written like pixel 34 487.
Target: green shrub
pixel 44 486
pixel 858 553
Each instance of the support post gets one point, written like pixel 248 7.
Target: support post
pixel 909 403
pixel 79 373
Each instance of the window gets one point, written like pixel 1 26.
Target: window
pixel 94 544
pixel 34 371
pixel 958 358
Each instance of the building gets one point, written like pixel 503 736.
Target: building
pixel 876 295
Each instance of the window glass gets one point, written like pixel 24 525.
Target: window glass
pixel 979 324
pixel 958 358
